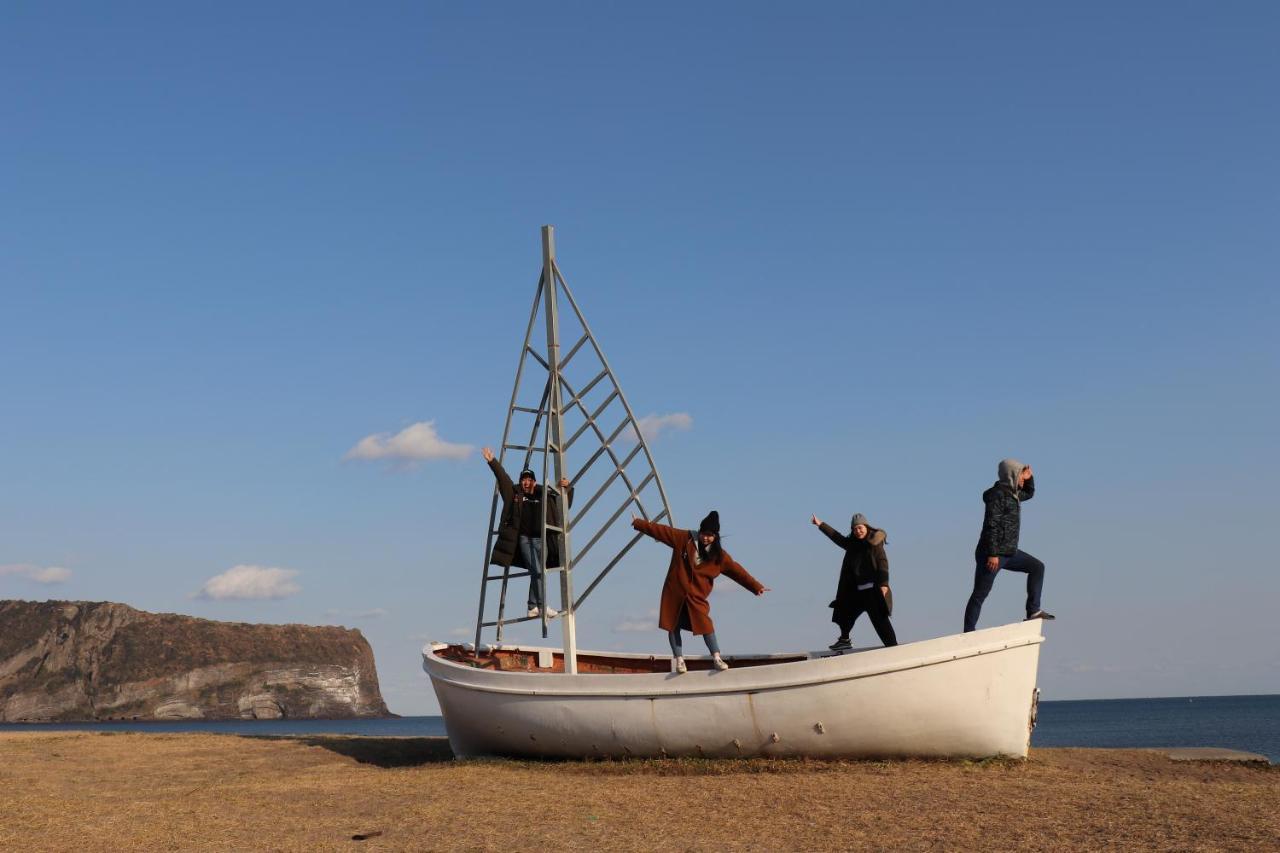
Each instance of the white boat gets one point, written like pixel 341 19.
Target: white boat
pixel 967 695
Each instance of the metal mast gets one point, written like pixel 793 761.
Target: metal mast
pixel 634 471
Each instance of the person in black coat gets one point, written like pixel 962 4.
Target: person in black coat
pixel 520 528
pixel 998 543
pixel 864 581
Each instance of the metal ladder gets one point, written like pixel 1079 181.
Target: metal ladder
pixel 635 469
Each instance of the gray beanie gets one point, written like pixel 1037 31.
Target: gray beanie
pixel 859 518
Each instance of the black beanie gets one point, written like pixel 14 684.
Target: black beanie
pixel 710 524
pixel 528 472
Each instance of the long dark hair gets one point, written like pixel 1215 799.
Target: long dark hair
pixel 711 553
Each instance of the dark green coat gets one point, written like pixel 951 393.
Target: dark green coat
pixel 506 551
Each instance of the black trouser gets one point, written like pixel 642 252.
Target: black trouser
pixel 871 602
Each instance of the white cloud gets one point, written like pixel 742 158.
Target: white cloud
pixel 38 574
pixel 637 625
pixel 372 613
pixel 652 426
pixel 415 443
pixel 250 582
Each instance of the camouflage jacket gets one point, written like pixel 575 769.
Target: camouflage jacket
pixel 1002 520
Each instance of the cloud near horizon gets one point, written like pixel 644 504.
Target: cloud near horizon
pixel 637 625
pixel 652 426
pixel 39 574
pixel 249 583
pixel 414 444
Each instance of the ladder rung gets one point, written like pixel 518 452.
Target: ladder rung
pixel 521 574
pixel 526 409
pixel 521 619
pixel 526 447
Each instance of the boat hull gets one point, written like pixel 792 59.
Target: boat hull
pixel 968 695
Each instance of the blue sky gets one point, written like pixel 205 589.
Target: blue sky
pixel 868 249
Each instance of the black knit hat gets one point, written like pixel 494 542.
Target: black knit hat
pixel 710 524
pixel 528 472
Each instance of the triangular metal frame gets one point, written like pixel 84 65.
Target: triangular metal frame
pixel 548 425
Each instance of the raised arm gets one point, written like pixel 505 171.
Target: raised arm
pixel 1028 490
pixel 736 573
pixel 834 535
pixel 664 534
pixel 505 486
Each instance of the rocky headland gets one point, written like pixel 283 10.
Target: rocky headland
pixel 75 660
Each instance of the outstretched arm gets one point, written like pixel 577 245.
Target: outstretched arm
pixel 664 534
pixel 736 573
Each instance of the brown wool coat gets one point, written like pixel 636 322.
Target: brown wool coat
pixel 688 582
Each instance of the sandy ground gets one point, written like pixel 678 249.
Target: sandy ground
pixel 99 791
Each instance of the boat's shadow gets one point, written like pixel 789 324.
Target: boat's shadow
pixel 383 751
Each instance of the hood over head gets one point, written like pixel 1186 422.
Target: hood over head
pixel 1008 472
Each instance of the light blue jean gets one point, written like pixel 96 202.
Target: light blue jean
pixel 713 645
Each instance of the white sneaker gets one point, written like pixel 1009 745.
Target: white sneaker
pixel 718 663
pixel 680 667
pixel 534 613
pixel 552 613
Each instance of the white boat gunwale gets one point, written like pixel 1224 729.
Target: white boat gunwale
pixel 682 685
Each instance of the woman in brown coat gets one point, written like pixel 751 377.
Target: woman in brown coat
pixel 696 561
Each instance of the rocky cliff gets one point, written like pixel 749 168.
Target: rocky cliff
pixel 77 660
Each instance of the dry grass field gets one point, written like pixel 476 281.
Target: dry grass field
pixel 96 791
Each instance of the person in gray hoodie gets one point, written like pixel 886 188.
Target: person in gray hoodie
pixel 998 544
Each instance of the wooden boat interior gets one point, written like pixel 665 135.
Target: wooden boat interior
pixel 525 659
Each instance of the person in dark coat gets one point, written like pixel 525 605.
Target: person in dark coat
pixel 696 561
pixel 998 543
pixel 864 581
pixel 520 528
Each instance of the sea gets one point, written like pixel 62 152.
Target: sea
pixel 1248 723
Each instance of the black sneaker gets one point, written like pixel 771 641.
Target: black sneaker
pixel 841 645
pixel 1041 614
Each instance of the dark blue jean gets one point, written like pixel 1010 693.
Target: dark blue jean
pixel 983 578
pixel 531 555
